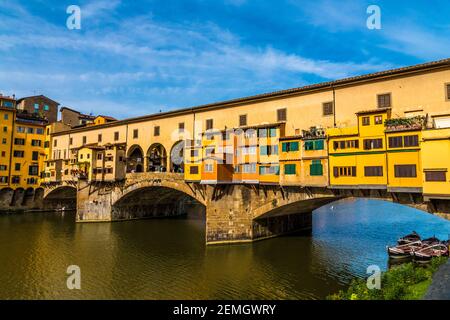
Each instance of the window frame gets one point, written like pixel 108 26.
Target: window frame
pixel 384 95
pixel 325 111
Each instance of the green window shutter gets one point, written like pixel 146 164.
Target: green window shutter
pixel 277 170
pixel 294 146
pixel 316 168
pixel 263 150
pixel 272 132
pixel 284 146
pixel 318 145
pixel 289 169
pixel 309 145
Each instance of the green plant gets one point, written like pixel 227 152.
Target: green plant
pixel 404 282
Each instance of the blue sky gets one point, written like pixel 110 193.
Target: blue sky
pixel 138 57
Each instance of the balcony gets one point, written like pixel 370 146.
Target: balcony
pixel 405 124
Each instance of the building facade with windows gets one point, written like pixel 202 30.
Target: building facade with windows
pixel 39 105
pixel 369 150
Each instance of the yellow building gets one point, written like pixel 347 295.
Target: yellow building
pixel 359 152
pixel 357 155
pixel 7 116
pixel 55 168
pixel 100 163
pixel 403 137
pixel 193 161
pixel 436 163
pixel 290 160
pixel 268 144
pixel 28 154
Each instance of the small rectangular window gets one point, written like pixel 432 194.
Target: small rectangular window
pixel 395 142
pixel 384 100
pixel 209 124
pixel 447 86
pixel 116 136
pixel 181 126
pixel 411 141
pixel 436 176
pixel 370 144
pixel 327 108
pixel 405 171
pixel 375 171
pixel 290 169
pixel 243 120
pixel 55 143
pixel 378 119
pixel 135 133
pixel 193 170
pixel 156 131
pixel 281 114
pixel 35 156
pixel 365 121
pixel 99 138
pixel 70 141
pixel 84 139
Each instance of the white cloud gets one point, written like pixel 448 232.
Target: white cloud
pixel 141 59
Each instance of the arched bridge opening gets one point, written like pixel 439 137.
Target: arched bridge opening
pixel 156 202
pixel 63 197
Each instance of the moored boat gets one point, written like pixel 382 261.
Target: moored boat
pixel 403 251
pixel 426 253
pixel 412 237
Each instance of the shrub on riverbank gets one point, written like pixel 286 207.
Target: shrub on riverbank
pixel 404 282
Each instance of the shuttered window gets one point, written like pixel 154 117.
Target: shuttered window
pixel 411 141
pixel 290 169
pixel 373 171
pixel 289 146
pixel 243 120
pixel 366 121
pixel 327 108
pixel 436 176
pixel 395 142
pixel 384 100
pixel 405 171
pixel 281 114
pixel 448 91
pixel 318 144
pixel 316 168
pixel 156 131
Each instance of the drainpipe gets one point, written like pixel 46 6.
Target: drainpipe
pixel 334 106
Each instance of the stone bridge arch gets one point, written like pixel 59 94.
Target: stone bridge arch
pixel 60 196
pixel 141 195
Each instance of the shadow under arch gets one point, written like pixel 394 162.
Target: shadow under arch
pixel 63 197
pixel 156 158
pixel 154 202
pixel 135 159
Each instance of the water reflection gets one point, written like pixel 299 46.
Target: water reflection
pixel 167 259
